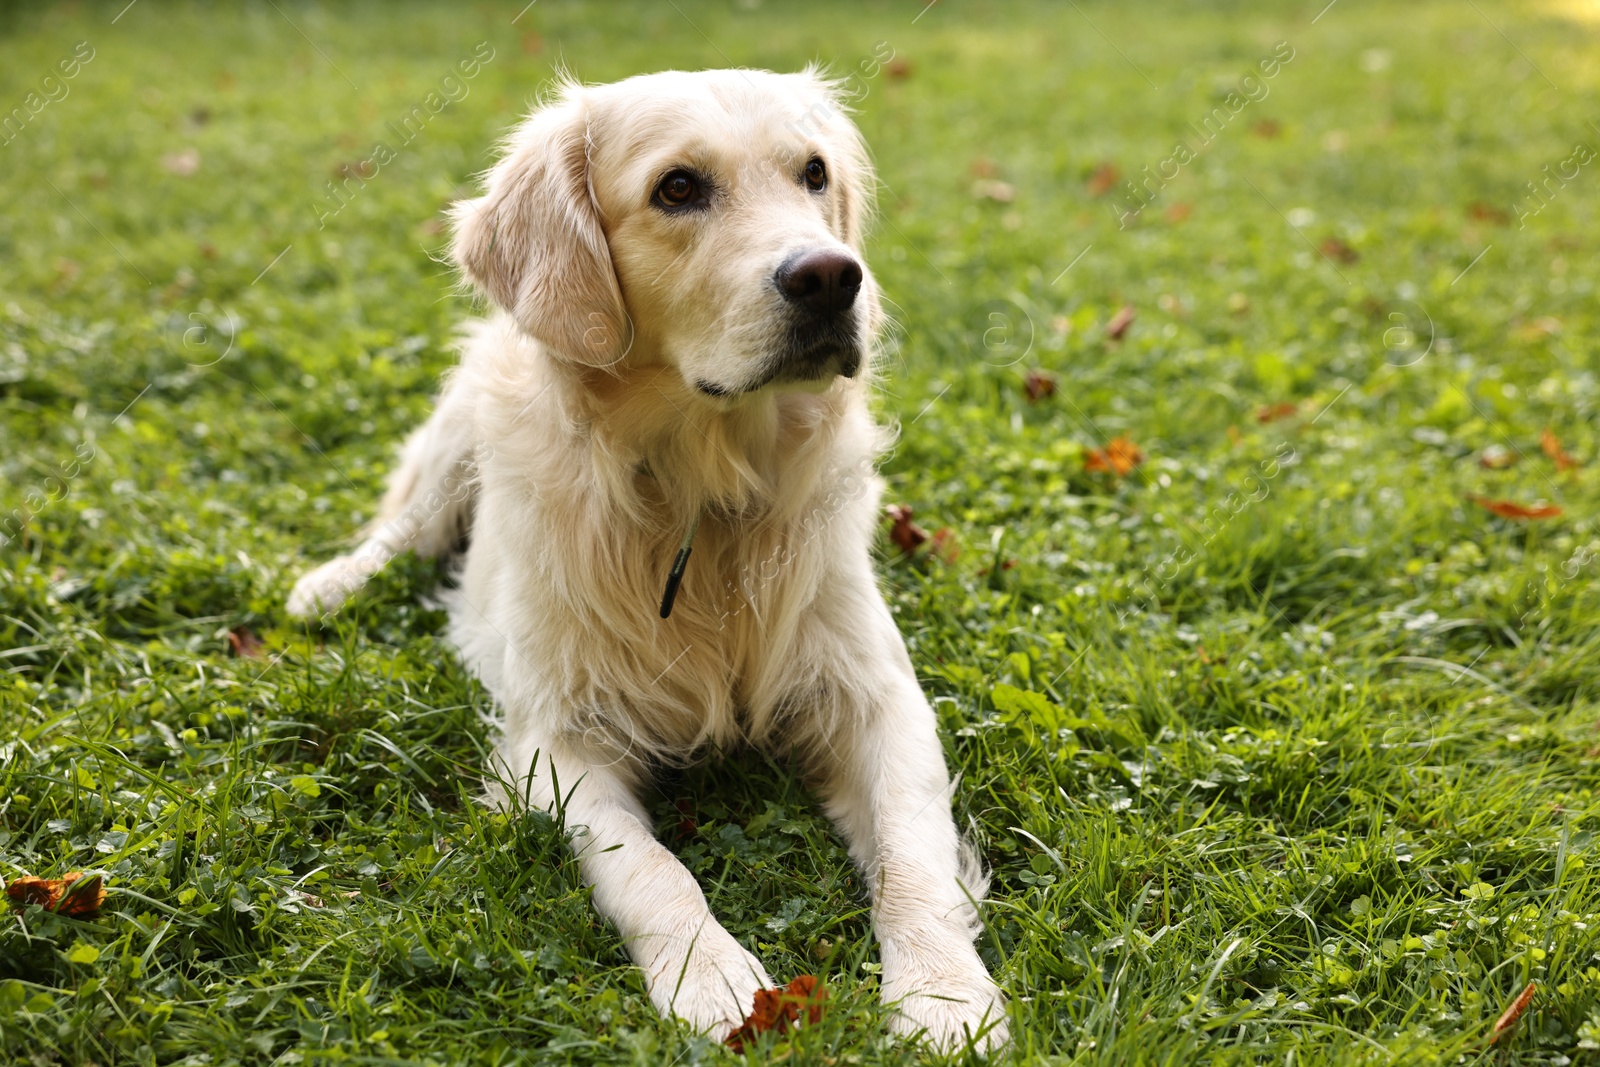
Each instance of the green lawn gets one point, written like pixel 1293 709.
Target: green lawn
pixel 1282 748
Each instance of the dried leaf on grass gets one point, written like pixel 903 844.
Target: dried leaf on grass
pixel 1510 509
pixel 245 644
pixel 1120 322
pixel 779 1009
pixel 1508 1022
pixel 1487 213
pixel 1102 179
pixel 1551 444
pixel 1335 248
pixel 905 533
pixel 1119 457
pixel 1038 384
pixel 72 895
pixel 1273 412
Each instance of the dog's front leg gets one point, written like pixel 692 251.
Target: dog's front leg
pixel 693 967
pixel 884 782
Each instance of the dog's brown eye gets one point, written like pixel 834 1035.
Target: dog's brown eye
pixel 678 189
pixel 816 176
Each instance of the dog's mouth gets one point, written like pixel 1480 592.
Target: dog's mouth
pixel 807 354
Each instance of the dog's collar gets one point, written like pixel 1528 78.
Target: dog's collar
pixel 675 575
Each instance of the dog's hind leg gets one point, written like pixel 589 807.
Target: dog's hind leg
pixel 426 509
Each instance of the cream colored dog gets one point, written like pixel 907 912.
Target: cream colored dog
pixel 680 359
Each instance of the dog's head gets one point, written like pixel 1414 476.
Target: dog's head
pixel 711 221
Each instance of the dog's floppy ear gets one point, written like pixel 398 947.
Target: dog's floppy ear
pixel 534 244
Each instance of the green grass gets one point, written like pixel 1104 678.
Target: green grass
pixel 1306 778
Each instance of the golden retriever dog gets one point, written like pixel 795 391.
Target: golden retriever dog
pixel 678 366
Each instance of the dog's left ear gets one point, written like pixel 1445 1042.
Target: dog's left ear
pixel 534 244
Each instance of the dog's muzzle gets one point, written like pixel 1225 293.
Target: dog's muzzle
pixel 820 287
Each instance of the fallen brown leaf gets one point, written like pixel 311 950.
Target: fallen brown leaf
pixel 1496 458
pixel 1119 457
pixel 898 68
pixel 1038 384
pixel 1270 129
pixel 532 43
pixel 1179 211
pixel 1334 248
pixel 984 167
pixel 1510 509
pixel 905 533
pixel 779 1009
pixel 686 821
pixel 1553 448
pixel 945 545
pixel 1120 322
pixel 1487 213
pixel 1102 179
pixel 1273 412
pixel 1508 1022
pixel 245 644
pixel 73 894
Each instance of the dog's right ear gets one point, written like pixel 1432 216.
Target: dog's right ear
pixel 534 244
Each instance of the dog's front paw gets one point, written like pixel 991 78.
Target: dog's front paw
pixel 323 590
pixel 711 985
pixel 948 1000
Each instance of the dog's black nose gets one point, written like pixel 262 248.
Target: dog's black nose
pixel 823 280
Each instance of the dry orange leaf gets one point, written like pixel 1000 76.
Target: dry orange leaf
pixel 1334 248
pixel 71 895
pixel 1119 457
pixel 1179 211
pixel 1102 179
pixel 245 644
pixel 1120 322
pixel 899 69
pixel 1553 448
pixel 1507 1022
pixel 1510 509
pixel 1273 412
pixel 1038 384
pixel 779 1009
pixel 944 545
pixel 1268 129
pixel 905 533
pixel 1487 213
pixel 983 167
